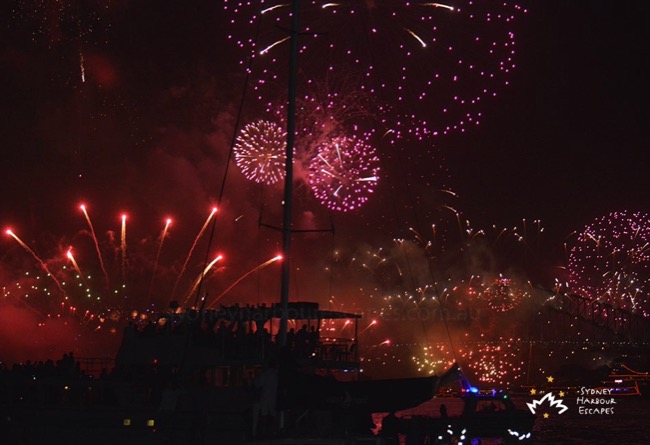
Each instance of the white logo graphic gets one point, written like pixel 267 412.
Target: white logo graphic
pixel 551 401
pixel 520 436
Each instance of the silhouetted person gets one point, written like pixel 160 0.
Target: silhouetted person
pixel 390 428
pixel 302 338
pixel 416 432
pixel 314 339
pixel 291 338
pixel 265 407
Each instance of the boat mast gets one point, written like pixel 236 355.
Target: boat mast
pixel 288 181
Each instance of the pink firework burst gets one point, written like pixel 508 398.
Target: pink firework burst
pixel 344 173
pixel 432 66
pixel 327 109
pixel 260 152
pixel 610 261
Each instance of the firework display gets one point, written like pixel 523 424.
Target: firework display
pixel 610 261
pixel 64 275
pixel 149 109
pixel 331 105
pixel 497 363
pixel 503 294
pixel 344 173
pixel 64 25
pixel 327 109
pixel 438 322
pixel 260 152
pixel 430 65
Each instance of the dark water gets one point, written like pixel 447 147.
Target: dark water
pixel 627 424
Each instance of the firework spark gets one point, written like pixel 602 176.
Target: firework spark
pixel 436 65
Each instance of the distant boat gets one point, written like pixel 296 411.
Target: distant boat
pixel 483 416
pixel 624 381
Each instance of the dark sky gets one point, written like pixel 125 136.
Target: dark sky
pixel 148 130
pixel 568 141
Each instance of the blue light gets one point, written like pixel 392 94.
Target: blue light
pixel 473 390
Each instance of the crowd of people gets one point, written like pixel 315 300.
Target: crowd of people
pixel 233 332
pixel 43 382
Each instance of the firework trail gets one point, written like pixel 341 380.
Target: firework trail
pixel 123 248
pixel 264 264
pixel 76 266
pixel 40 261
pixel 200 277
pixel 189 254
pixel 81 66
pixel 155 263
pixel 97 249
pixel 73 261
pixel 371 324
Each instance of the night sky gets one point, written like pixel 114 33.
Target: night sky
pixel 148 128
pixel 567 143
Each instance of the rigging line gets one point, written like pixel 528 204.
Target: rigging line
pixel 331 256
pixel 259 247
pixel 219 200
pixel 225 173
